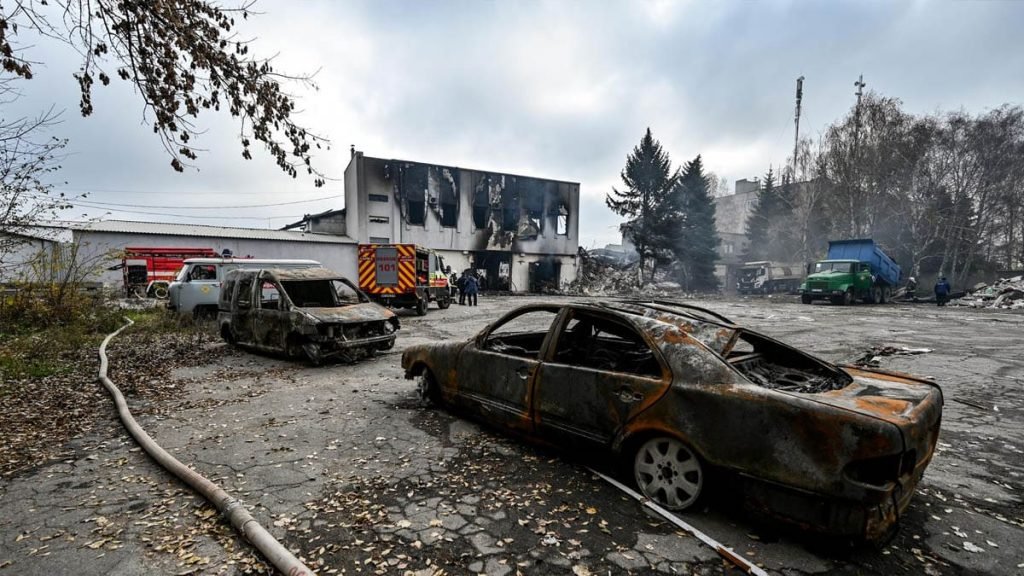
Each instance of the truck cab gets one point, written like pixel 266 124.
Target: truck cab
pixel 853 270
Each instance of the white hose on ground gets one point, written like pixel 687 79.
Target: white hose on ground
pixel 231 508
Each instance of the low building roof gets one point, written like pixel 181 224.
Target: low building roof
pixel 205 231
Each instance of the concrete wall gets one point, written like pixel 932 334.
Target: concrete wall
pixel 731 212
pixel 21 252
pixel 341 258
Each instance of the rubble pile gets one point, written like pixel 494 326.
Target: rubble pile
pixel 604 277
pixel 1007 293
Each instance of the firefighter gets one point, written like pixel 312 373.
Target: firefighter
pixel 942 290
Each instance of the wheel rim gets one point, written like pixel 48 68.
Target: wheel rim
pixel 425 387
pixel 669 473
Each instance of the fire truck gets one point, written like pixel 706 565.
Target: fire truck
pixel 148 271
pixel 403 276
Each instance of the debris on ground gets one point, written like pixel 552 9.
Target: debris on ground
pixel 1006 293
pixel 606 277
pixel 873 357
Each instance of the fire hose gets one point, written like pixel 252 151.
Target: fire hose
pixel 232 510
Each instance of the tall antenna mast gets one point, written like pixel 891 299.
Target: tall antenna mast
pixel 860 84
pixel 796 120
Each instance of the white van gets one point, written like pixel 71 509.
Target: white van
pixel 197 287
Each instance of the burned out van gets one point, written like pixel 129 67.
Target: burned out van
pixel 311 312
pixel 196 289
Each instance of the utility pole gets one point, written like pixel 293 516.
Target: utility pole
pixel 796 120
pixel 860 84
pixel 854 221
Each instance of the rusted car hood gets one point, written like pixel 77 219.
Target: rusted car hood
pixel 354 313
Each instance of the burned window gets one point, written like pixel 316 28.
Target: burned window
pixel 522 335
pixel 379 220
pixel 481 205
pixel 227 292
pixel 562 221
pixel 270 296
pixel 509 209
pixel 598 343
pixel 531 198
pixel 245 291
pixel 414 185
pixel 378 198
pixel 448 197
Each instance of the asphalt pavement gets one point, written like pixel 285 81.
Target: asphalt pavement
pixel 345 466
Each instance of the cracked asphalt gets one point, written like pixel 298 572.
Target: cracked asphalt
pixel 343 465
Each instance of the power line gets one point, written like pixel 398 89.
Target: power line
pixel 117 204
pixel 158 193
pixel 85 205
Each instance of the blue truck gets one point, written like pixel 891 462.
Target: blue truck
pixel 853 270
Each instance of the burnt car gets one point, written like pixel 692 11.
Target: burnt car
pixel 311 312
pixel 677 393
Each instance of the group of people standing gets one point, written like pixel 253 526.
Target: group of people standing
pixel 468 286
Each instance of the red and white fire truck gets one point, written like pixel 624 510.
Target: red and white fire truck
pixel 148 271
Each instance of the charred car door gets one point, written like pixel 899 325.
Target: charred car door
pixel 496 370
pixel 600 373
pixel 270 315
pixel 242 310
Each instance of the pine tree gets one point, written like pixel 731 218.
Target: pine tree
pixel 697 241
pixel 759 221
pixel 649 180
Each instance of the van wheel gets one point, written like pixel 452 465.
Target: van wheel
pixel 225 333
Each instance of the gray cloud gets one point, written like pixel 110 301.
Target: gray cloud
pixel 556 89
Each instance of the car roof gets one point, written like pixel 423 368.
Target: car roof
pixel 715 331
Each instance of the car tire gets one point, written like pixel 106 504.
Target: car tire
pixel 421 306
pixel 806 299
pixel 225 333
pixel 427 388
pixel 444 302
pixel 669 473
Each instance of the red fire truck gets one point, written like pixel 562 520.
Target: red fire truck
pixel 403 276
pixel 148 271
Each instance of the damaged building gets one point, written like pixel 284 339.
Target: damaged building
pixel 521 233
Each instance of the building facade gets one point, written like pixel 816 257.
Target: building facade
pixel 520 233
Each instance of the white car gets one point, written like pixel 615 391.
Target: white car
pixel 196 289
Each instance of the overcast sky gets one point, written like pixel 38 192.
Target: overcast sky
pixel 552 89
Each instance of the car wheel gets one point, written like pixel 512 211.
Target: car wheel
pixel 225 333
pixel 444 302
pixel 313 353
pixel 806 299
pixel 426 388
pixel 669 473
pixel 421 307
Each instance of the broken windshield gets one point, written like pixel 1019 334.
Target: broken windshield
pixel 322 293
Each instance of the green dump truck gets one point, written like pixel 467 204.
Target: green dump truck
pixel 853 270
